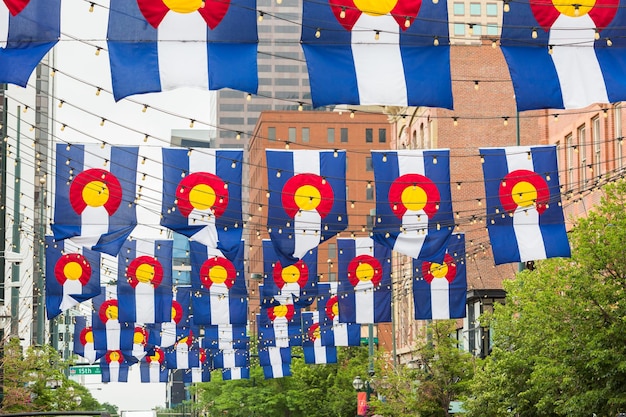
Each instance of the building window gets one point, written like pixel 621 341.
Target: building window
pixel 492 29
pixel 459 29
pixel 292 134
pixel 305 134
pixel 271 133
pixel 369 135
pixel 459 9
pixel 477 30
pixel 492 9
pixel 475 9
pixel 368 163
pixel 369 194
pixel 618 136
pixel 582 150
pixel 569 160
pixel 597 146
pixel 382 135
pixel 330 132
pixel 344 134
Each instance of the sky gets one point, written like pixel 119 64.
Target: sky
pixel 79 72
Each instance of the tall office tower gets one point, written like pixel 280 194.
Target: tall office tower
pixel 283 76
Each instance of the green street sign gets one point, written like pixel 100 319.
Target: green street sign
pixel 85 370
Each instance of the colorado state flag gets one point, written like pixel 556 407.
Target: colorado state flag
pixel 297 282
pixel 333 331
pixel 413 202
pixel 307 203
pixel 114 366
pixel 524 214
pixel 109 333
pixel 565 55
pixel 180 325
pixel 159 45
pixel 219 288
pixel 152 367
pixel 83 340
pixel 275 361
pixel 201 373
pixel 364 281
pixel 95 194
pixel 72 275
pixel 279 324
pixel 202 196
pixel 225 336
pixel 439 289
pixel 314 352
pixel 377 52
pixel 231 374
pixel 144 283
pixel 28 30
pixel 231 358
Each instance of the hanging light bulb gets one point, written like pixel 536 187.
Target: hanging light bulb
pixel 63 127
pixel 102 121
pixel 300 107
pixel 476 85
pixel 407 22
pixel 455 121
pixel 145 108
pixel 342 14
pixel 53 72
pixel 98 49
pixel 61 103
pixel 471 29
pixel 352 114
pixel 98 91
pixel 249 97
pixel 377 35
pixel 261 14
pixel 576 10
pixel 507 7
pixel 318 33
pixel 609 42
pixel 91 6
pixel 191 123
pixel 506 121
pixel 556 117
pixel 550 49
pixel 238 137
pixel 436 41
pixel 597 34
pixel 534 33
pixel 494 44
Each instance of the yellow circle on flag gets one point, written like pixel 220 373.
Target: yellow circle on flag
pixel 111 312
pixel 307 197
pixel 524 194
pixel 72 271
pixel 577 9
pixel 183 6
pixel 138 338
pixel 114 356
pixel 439 270
pixel 145 273
pixel 414 198
pixel 202 196
pixel 89 337
pixel 218 274
pixel 317 333
pixel 375 7
pixel 280 311
pixel 365 272
pixel 96 194
pixel 290 274
pixel 335 309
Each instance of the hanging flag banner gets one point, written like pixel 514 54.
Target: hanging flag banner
pixel 28 30
pixel 185 354
pixel 201 373
pixel 72 275
pixel 333 331
pixel 230 358
pixel 279 324
pixel 439 290
pixel 225 336
pixel 565 56
pixel 149 40
pixel 275 361
pixel 393 53
pixel 413 202
pixel 140 342
pixel 307 203
pixel 83 340
pixel 297 282
pixel 95 195
pixel 314 352
pixel 114 366
pixel 180 326
pixel 219 288
pixel 109 333
pixel 231 374
pixel 524 215
pixel 144 282
pixel 152 367
pixel 364 281
pixel 202 196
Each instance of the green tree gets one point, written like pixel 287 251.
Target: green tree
pixel 34 380
pixel 559 344
pixel 442 375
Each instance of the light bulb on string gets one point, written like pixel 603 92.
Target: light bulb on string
pixel 609 42
pixel 191 123
pixel 506 120
pixel 342 14
pixel 261 14
pixel 300 107
pixel 238 137
pixel 91 7
pixel 596 35
pixel 550 49
pixel 476 85
pixel 352 114
pixel 249 97
pixel 377 35
pixel 407 22
pixel 145 108
pixel 98 49
pixel 534 33
pixel 98 91
pixel 318 33
pixel 61 103
pixel 507 7
pixel 436 40
pixel 455 121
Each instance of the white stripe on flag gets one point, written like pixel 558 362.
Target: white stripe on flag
pixel 138 351
pixel 182 356
pixel 572 40
pixel 114 371
pixel 113 332
pixel 340 332
pixel 155 372
pixel 364 290
pixel 275 358
pixel 70 286
pixel 144 291
pixel 319 353
pixel 307 224
pixel 196 374
pixel 89 352
pixel 182 50
pixel 203 161
pixel 168 334
pixel 378 63
pixel 4 25
pixel 94 220
pixel 440 298
pixel 525 219
pixel 229 358
pixel 281 332
pixel 415 222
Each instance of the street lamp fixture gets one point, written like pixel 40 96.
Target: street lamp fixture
pixel 363 385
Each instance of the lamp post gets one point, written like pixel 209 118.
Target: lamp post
pixel 365 386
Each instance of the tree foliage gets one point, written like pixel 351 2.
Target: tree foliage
pixel 34 380
pixel 442 375
pixel 559 341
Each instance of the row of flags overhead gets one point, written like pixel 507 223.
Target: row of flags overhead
pixel 387 53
